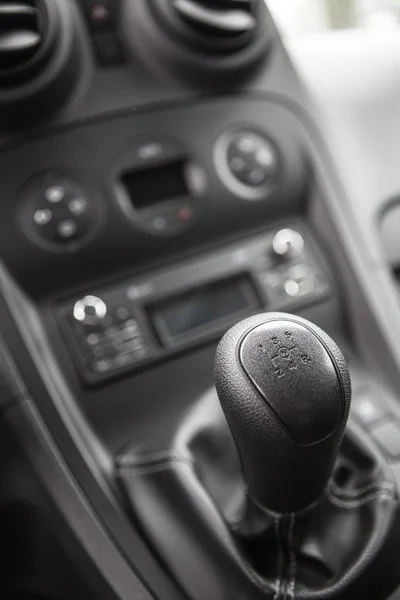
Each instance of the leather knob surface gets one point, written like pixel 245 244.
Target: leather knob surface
pixel 285 390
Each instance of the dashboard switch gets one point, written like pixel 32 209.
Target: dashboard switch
pixel 55 194
pixel 67 228
pixel 77 206
pixel 100 13
pixel 301 282
pixel 122 313
pixel 42 216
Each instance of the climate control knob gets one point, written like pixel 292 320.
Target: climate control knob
pixel 90 310
pixel 288 244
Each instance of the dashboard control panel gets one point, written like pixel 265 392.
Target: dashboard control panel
pixel 135 323
pixel 247 163
pixel 112 344
pixel 160 186
pixel 57 212
pixel 143 187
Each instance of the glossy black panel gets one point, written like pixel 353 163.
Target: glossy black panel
pixel 96 154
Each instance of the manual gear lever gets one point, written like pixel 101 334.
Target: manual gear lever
pixel 285 390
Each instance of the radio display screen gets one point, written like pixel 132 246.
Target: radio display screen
pixel 204 310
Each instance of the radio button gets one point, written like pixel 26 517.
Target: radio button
pixel 122 313
pixel 103 366
pixel 285 286
pixel 288 244
pixel 92 339
pixel 99 351
pixel 124 360
pixel 90 310
pixel 292 288
pixel 303 286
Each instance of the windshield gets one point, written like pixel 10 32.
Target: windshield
pixel 299 17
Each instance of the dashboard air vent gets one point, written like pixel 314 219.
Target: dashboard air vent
pixel 218 18
pixel 22 30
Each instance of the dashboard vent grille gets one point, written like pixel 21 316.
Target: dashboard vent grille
pixel 218 18
pixel 22 25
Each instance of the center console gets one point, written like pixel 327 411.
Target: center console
pixel 163 177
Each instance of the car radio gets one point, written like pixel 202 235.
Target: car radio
pixel 135 323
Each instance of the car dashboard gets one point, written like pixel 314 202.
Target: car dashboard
pixel 165 173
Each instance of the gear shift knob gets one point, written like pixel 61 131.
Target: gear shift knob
pixel 285 390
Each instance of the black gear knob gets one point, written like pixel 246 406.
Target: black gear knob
pixel 285 390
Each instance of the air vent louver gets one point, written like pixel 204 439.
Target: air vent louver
pixel 22 27
pixel 218 18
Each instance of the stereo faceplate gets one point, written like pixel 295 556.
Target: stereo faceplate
pixel 125 327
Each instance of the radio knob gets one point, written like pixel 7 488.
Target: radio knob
pixel 90 310
pixel 288 244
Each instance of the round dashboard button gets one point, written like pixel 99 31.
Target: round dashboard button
pixel 77 206
pixel 67 228
pixel 55 194
pixel 42 216
pixel 237 164
pixel 246 144
pixel 256 177
pixel 288 244
pixel 90 310
pixel 266 157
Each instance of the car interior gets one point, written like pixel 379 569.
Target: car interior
pixel 200 303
